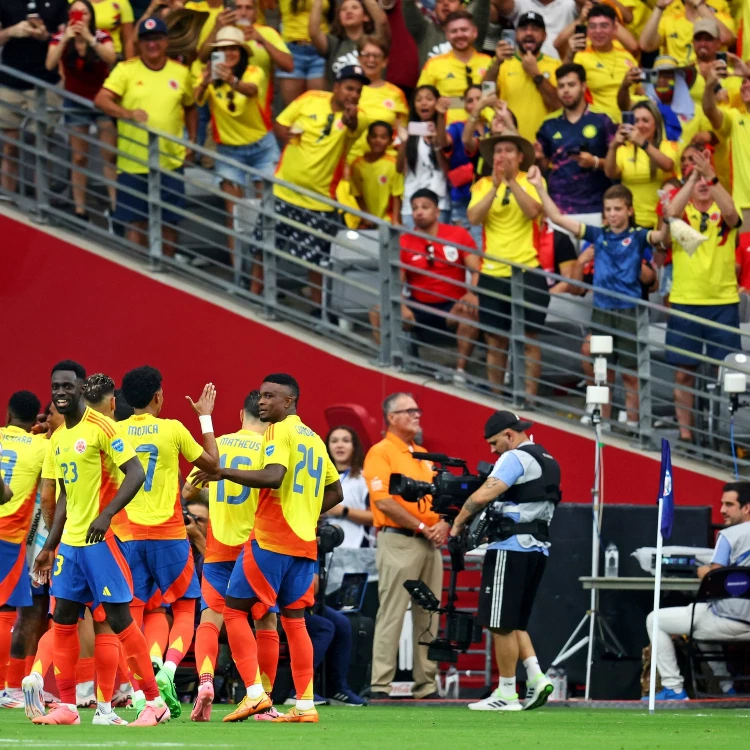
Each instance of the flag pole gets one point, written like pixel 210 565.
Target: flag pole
pixel 655 620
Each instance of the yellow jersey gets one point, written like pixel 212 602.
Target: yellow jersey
pixel 87 458
pixel 237 120
pixel 295 26
pixel 743 40
pixel 508 233
pixel 451 77
pixel 21 464
pixel 604 74
pixel 735 129
pixel 708 276
pixel 522 95
pixel 261 59
pixel 110 15
pixel 676 31
pixel 376 182
pixel 636 174
pixel 641 12
pixel 163 94
pixel 231 507
pixel 315 154
pixel 286 519
pixel 386 103
pixel 156 512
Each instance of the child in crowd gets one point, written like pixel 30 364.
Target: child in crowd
pixel 375 182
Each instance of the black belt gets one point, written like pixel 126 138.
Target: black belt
pixel 507 529
pixel 394 530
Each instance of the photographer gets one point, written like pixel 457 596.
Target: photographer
pixel 409 540
pixel 518 532
pixel 195 515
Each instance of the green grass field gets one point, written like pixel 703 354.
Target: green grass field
pixel 393 728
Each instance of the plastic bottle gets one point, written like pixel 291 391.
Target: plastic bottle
pixel 611 561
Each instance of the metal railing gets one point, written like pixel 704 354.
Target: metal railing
pixel 224 243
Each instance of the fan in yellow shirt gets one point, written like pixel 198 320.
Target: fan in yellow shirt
pixel 453 72
pixel 116 18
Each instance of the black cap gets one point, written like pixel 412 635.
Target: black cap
pixel 531 19
pixel 352 71
pixel 504 420
pixel 152 26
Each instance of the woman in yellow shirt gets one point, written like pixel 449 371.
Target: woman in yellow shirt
pixel 116 18
pixel 641 158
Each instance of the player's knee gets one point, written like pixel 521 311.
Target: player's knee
pixel 66 612
pixel 267 622
pixel 118 617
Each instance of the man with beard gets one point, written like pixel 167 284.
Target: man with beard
pixel 526 76
pixel 557 13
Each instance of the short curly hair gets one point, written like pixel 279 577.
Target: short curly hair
pixel 140 385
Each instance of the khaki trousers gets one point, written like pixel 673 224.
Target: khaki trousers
pixel 398 559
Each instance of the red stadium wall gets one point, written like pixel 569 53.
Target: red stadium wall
pixel 60 301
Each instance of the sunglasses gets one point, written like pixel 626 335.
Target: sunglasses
pixel 410 412
pixel 230 101
pixel 468 74
pixel 329 126
pixel 430 254
pixel 506 197
pixel 704 222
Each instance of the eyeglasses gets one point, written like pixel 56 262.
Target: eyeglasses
pixel 371 55
pixel 430 253
pixel 329 126
pixel 410 412
pixel 230 101
pixel 506 197
pixel 704 222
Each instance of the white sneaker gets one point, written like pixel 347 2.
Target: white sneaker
pixel 32 688
pixel 497 703
pixel 459 377
pixel 107 718
pixel 85 697
pixel 537 692
pixel 11 699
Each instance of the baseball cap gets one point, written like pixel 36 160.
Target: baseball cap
pixel 352 71
pixel 706 26
pixel 152 26
pixel 531 19
pixel 504 420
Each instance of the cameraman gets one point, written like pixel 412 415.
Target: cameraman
pixel 408 546
pixel 518 533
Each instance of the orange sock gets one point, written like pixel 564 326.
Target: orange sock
pixel 206 650
pixel 183 627
pixel 300 655
pixel 268 657
pixel 242 645
pixel 7 621
pixel 106 656
pixel 156 630
pixel 44 652
pixel 139 662
pixel 16 672
pixel 29 663
pixel 123 673
pixel 137 608
pixel 85 670
pixel 66 649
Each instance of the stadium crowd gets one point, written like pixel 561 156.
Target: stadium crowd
pixel 547 133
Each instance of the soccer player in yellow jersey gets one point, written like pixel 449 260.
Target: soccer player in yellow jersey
pixel 20 468
pixel 88 564
pixel 231 514
pixel 159 554
pixel 453 72
pixel 278 563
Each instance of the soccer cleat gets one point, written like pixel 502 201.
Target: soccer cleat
pixel 107 718
pixel 165 682
pixel 203 702
pixel 268 715
pixel 151 716
pixel 249 707
pixel 60 715
pixel 85 697
pixel 346 697
pixel 11 699
pixel 123 696
pixel 296 716
pixel 496 702
pixel 537 692
pixel 32 688
pixel 667 694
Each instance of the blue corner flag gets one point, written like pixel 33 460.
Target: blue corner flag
pixel 666 490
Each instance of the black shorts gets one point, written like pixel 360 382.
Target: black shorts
pixel 430 326
pixel 495 312
pixel 510 581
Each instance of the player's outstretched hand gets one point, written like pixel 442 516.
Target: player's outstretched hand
pixel 202 477
pixel 97 530
pixel 43 566
pixel 205 404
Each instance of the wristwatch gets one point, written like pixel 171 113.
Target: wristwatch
pixel 715 181
pixel 538 79
pixel 344 512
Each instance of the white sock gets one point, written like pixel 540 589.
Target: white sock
pixel 507 687
pixel 72 707
pixel 170 668
pixel 305 705
pixel 104 707
pixel 532 668
pixel 139 695
pixel 254 691
pixel 125 687
pixel 155 659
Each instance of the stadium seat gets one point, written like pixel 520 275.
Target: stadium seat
pixel 356 417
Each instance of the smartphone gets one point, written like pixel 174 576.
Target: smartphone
pixel 489 88
pixel 581 28
pixel 508 35
pixel 421 128
pixel 573 150
pixel 646 75
pixel 230 5
pixel 721 57
pixel 218 57
pixel 628 118
pixel 75 16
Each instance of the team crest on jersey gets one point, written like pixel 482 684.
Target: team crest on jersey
pixel 589 131
pixel 388 104
pixel 118 445
pixel 714 216
pixel 116 6
pixel 270 449
pixel 80 446
pixel 626 241
pixel 383 179
pixel 451 253
pixel 173 84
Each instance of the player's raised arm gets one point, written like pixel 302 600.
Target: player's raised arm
pixel 208 460
pixel 269 477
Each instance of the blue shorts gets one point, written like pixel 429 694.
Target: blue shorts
pixel 214 586
pixel 307 62
pixel 131 208
pixel 273 578
pixel 690 336
pixel 95 574
pixel 74 115
pixel 262 155
pixel 166 564
pixel 15 584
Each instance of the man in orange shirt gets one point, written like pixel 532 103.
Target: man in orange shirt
pixel 409 539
